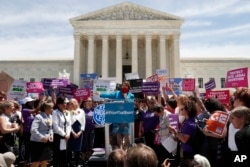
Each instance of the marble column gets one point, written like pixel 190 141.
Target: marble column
pixel 163 55
pixel 148 61
pixel 77 60
pixel 134 53
pixel 176 55
pixel 105 61
pixel 118 58
pixel 168 53
pixel 91 65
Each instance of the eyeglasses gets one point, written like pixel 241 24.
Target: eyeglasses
pixel 89 101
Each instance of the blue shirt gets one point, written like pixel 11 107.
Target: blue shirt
pixel 118 95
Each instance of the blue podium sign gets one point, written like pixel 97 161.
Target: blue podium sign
pixel 119 112
pixel 99 114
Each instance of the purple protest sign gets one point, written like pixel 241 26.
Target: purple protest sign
pixel 47 82
pixel 210 85
pixel 174 121
pixel 59 83
pixel 150 88
pixel 237 78
pixel 68 91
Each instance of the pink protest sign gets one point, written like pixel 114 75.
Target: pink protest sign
pixel 34 87
pixel 188 84
pixel 82 94
pixel 222 95
pixel 237 78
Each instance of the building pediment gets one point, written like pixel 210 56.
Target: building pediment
pixel 126 11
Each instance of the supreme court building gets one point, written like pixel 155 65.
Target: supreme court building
pixel 126 38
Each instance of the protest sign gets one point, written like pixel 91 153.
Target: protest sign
pixel 34 87
pixel 237 78
pixel 59 83
pixel 130 76
pixel 188 84
pixel 152 78
pixel 119 112
pixel 5 82
pixel 88 80
pixel 82 94
pixel 68 91
pixel 135 86
pixel 210 85
pixel 174 121
pixel 17 90
pixel 222 95
pixel 150 88
pixel 101 86
pixel 217 122
pixel 176 85
pixel 162 76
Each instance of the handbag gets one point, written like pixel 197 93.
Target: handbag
pixel 14 148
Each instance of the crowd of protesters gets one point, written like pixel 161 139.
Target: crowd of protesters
pixel 66 128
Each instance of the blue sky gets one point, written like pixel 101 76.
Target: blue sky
pixel 40 29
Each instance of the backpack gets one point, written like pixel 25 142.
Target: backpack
pixel 198 138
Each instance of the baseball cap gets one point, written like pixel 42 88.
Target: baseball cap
pixel 27 99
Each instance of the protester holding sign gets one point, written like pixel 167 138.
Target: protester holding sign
pixel 186 134
pixel 215 132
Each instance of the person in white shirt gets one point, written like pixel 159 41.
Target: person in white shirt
pixel 62 129
pixel 78 126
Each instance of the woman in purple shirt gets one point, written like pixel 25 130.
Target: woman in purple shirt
pixel 28 113
pixel 89 133
pixel 187 132
pixel 148 123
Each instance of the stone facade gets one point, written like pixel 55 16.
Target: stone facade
pixel 35 70
pixel 205 68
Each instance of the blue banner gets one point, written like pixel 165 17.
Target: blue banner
pixel 119 112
